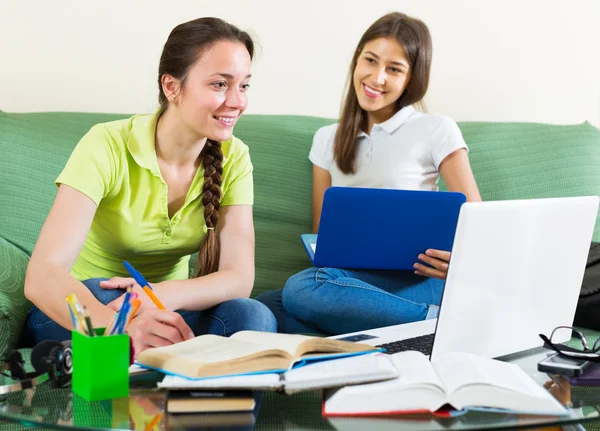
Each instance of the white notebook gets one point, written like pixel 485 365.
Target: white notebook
pixel 326 374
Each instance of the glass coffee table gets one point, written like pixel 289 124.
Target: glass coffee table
pixel 44 408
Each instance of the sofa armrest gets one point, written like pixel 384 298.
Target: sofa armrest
pixel 13 304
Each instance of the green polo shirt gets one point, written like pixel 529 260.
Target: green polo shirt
pixel 115 165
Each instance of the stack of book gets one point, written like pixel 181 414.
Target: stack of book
pixel 359 379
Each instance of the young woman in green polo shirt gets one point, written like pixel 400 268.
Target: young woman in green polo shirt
pixel 152 190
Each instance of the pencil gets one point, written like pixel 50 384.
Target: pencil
pixel 88 322
pixel 76 315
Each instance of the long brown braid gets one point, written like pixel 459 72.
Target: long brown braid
pixel 212 161
pixel 186 45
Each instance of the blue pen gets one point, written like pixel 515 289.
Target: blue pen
pixel 144 284
pixel 125 305
pixel 139 278
pixel 127 296
pixel 122 320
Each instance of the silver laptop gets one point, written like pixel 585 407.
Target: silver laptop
pixel 515 272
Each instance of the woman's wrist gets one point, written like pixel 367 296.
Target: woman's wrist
pixel 102 318
pixel 165 295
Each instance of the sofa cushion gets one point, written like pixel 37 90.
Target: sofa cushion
pixel 530 160
pixel 509 160
pixel 279 147
pixel 13 304
pixel 38 146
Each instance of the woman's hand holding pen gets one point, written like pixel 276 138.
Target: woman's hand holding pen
pixel 152 327
pixel 437 264
pixel 124 283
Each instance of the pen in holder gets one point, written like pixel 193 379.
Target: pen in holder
pixel 100 365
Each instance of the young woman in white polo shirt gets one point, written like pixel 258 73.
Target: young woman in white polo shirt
pixel 380 141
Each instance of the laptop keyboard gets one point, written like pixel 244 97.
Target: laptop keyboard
pixel 423 344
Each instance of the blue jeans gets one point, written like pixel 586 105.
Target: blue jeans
pixel 335 301
pixel 224 319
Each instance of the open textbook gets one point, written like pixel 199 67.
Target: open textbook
pixel 464 381
pixel 317 375
pixel 245 352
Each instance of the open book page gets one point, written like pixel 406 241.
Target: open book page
pixel 269 340
pixel 250 381
pixel 472 380
pixel 462 369
pixel 340 372
pixel 417 387
pixel 298 345
pixel 205 349
pixel 414 369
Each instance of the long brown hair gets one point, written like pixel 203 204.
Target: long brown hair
pixel 413 35
pixel 185 45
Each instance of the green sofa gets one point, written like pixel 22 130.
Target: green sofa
pixel 510 161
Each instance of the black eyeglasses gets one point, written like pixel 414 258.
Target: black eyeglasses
pixel 581 351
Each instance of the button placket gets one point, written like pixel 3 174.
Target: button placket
pixel 167 228
pixel 167 232
pixel 368 153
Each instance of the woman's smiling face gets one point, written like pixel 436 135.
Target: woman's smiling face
pixel 382 73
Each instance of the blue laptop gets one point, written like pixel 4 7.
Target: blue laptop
pixel 363 228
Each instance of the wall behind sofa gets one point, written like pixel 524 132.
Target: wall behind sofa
pixel 500 60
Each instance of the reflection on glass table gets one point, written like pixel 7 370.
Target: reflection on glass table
pixel 48 408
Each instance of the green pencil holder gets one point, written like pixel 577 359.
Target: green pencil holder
pixel 100 365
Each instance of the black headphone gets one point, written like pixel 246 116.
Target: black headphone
pixel 51 360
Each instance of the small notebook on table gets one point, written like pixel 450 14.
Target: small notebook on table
pixel 245 352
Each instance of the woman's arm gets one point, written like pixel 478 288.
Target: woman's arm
pixel 456 172
pixel 235 277
pixel 48 281
pixel 321 182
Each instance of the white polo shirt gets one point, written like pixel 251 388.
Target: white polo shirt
pixel 404 152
